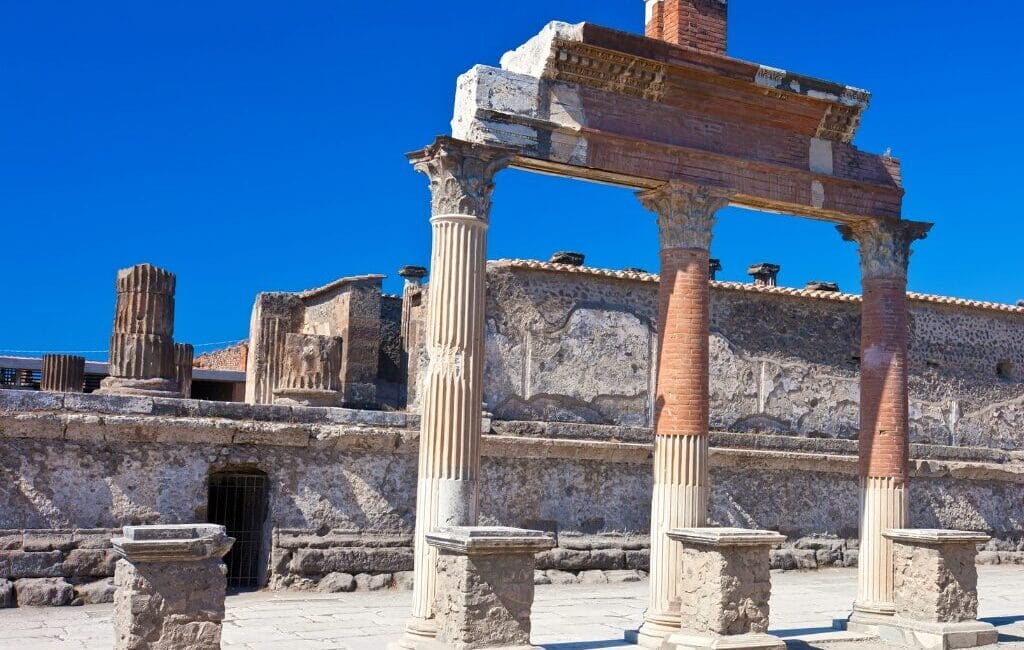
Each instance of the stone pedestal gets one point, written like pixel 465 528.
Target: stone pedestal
pixel 484 586
pixel 935 588
pixel 724 587
pixel 63 373
pixel 184 355
pixel 142 345
pixel 311 373
pixel 170 587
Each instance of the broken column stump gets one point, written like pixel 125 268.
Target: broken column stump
pixel 311 371
pixel 485 586
pixel 724 587
pixel 184 355
pixel 170 586
pixel 935 587
pixel 63 373
pixel 142 345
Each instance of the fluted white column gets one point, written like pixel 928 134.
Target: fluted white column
pixel 883 443
pixel 681 486
pixel 447 493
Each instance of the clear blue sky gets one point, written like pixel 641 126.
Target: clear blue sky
pixel 253 146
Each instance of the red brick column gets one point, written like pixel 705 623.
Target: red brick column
pixel 695 24
pixel 884 441
pixel 686 216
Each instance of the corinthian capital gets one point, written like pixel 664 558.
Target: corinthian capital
pixel 884 245
pixel 461 175
pixel 686 212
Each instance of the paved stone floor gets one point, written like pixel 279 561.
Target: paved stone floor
pixel 573 617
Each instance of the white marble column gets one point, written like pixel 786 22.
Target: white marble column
pixel 447 494
pixel 681 489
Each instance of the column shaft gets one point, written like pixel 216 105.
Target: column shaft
pixel 681 484
pixel 883 442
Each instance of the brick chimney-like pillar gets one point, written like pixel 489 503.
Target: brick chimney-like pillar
pixel 681 485
pixel 696 24
pixel 884 410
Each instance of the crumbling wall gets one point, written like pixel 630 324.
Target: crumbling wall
pixel 579 346
pixel 73 468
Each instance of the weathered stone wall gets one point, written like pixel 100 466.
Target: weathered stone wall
pixel 577 346
pixel 342 488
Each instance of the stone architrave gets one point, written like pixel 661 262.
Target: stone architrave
pixel 311 371
pixel 485 586
pixel 170 586
pixel 883 443
pixel 724 588
pixel 681 489
pixel 184 355
pixel 935 588
pixel 63 373
pixel 447 494
pixel 142 345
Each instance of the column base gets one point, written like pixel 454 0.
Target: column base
pixel 922 635
pixel 697 641
pixel 418 633
pixel 143 387
pixel 653 631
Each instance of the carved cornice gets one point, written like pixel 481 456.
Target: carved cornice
pixel 616 72
pixel 686 212
pixel 884 245
pixel 461 175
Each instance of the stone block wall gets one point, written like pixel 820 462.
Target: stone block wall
pixel 571 344
pixel 77 467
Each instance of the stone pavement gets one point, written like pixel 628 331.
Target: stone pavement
pixel 566 617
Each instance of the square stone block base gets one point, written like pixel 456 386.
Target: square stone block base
pixel 696 641
pixel 922 635
pixel 438 645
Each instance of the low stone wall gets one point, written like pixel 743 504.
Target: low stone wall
pixel 56 566
pixel 75 468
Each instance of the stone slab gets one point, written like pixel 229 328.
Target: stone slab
pixel 479 540
pixel 725 537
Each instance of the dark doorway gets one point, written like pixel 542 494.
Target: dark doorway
pixel 238 501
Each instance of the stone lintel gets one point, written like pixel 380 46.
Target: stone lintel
pixel 173 543
pixel 934 536
pixel 725 537
pixel 489 540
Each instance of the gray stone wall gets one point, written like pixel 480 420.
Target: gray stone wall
pixel 578 347
pixel 74 468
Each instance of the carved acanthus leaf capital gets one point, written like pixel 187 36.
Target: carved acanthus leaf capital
pixel 884 245
pixel 461 175
pixel 686 212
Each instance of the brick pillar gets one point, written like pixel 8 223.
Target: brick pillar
pixel 461 181
pixel 694 24
pixel 883 440
pixel 686 216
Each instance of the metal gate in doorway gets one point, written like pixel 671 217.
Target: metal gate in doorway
pixel 238 501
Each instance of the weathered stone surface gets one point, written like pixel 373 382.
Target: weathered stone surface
pixel 93 593
pixel 558 577
pixel 484 601
pixel 623 575
pixel 169 604
pixel 936 583
pixel 333 583
pixel 593 577
pixel 404 580
pixel 90 563
pixel 22 564
pixel 376 582
pixel 43 592
pixel 357 560
pixel 48 540
pixel 310 371
pixel 7 598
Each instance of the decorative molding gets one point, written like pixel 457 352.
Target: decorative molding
pixel 686 212
pixel 594 67
pixel 839 123
pixel 884 245
pixel 461 175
